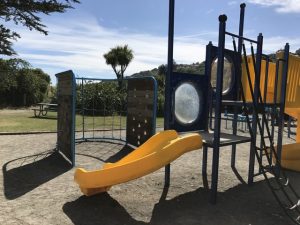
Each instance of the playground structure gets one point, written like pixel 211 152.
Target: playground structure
pixel 268 156
pixel 246 92
pixel 135 113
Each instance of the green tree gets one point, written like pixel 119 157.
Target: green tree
pixel 119 59
pixel 32 86
pixel 162 69
pixel 101 99
pixel 20 84
pixel 297 52
pixel 8 82
pixel 27 13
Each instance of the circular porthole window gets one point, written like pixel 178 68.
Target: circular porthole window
pixel 187 103
pixel 228 75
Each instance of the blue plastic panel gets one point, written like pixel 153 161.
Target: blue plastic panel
pixel 232 57
pixel 200 83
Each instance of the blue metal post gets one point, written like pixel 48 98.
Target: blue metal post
pixel 256 102
pixel 238 79
pixel 209 99
pixel 264 108
pixel 217 125
pixel 282 99
pixel 74 118
pixel 167 106
pixel 240 40
pixel 82 108
pixel 208 61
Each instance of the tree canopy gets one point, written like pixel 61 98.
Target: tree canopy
pixel 26 13
pixel 119 59
pixel 20 84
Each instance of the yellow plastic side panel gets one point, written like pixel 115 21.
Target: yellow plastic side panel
pixel 291 165
pixel 92 182
pixel 290 157
pixel 293 80
pixel 292 99
pixel 291 152
pixel 271 80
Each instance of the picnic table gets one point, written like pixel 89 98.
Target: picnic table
pixel 43 108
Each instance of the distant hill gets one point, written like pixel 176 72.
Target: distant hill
pixel 195 68
pixel 146 73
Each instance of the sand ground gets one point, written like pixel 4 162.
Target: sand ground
pixel 37 187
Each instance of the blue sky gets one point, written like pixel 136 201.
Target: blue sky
pixel 78 38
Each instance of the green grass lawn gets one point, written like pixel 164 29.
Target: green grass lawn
pixel 23 120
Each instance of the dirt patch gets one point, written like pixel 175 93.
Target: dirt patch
pixel 37 187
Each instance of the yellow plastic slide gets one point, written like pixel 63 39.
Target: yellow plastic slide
pixel 290 156
pixel 158 151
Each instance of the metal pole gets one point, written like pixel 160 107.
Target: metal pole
pixel 274 107
pixel 282 100
pixel 82 109
pixel 217 121
pixel 264 109
pixel 238 79
pixel 257 65
pixel 208 63
pixel 241 33
pixel 167 107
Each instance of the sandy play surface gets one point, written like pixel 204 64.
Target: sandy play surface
pixel 37 187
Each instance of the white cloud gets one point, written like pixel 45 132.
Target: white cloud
pixel 273 44
pixel 281 6
pixel 80 46
pixel 232 3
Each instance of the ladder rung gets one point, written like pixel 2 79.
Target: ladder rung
pixel 266 153
pixel 295 206
pixel 257 174
pixel 267 168
pixel 263 149
pixel 258 148
pixel 287 181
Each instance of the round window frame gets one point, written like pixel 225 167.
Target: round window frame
pixel 200 108
pixel 233 75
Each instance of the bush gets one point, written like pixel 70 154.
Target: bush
pixel 103 98
pixel 21 85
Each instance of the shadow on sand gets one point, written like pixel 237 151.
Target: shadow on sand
pixel 51 117
pixel 126 149
pixel 27 173
pixel 241 205
pixel 99 209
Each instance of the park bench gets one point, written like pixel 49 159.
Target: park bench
pixel 43 108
